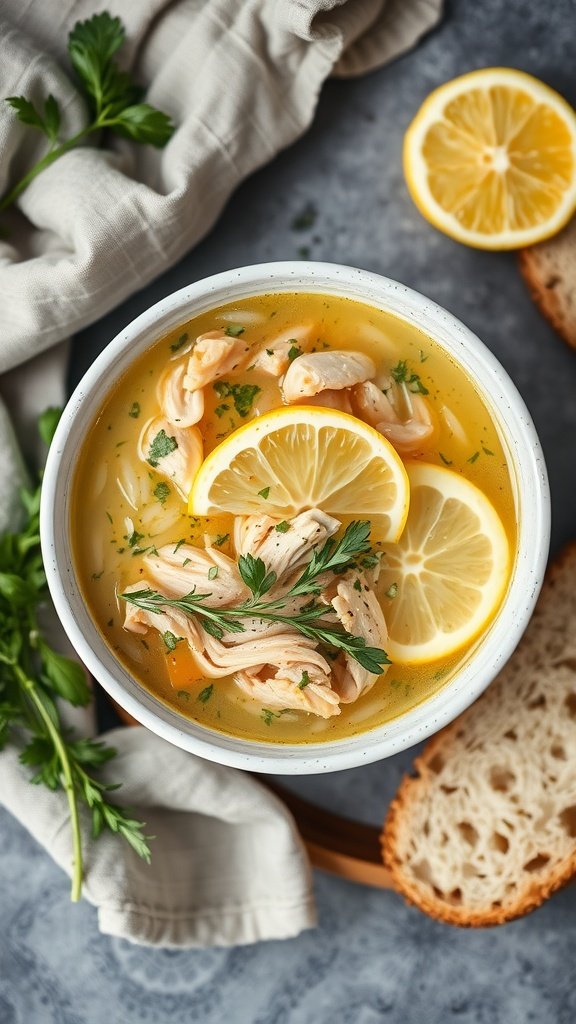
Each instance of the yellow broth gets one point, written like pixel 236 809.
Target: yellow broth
pixel 110 480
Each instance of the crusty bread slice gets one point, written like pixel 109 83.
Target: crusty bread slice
pixel 486 830
pixel 549 269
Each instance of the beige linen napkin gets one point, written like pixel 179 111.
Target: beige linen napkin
pixel 240 79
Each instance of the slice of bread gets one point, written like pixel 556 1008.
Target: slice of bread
pixel 486 830
pixel 549 269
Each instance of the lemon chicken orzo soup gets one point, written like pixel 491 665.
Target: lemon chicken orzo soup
pixel 293 518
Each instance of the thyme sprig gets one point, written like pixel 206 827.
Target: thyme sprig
pixel 335 556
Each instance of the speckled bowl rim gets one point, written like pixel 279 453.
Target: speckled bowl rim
pixel 521 445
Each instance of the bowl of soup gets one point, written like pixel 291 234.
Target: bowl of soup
pixel 295 518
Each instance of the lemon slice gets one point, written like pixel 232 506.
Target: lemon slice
pixel 301 457
pixel 444 580
pixel 490 159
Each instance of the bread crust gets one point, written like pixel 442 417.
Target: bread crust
pixel 549 270
pixel 529 895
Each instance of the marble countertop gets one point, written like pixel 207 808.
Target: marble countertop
pixel 372 958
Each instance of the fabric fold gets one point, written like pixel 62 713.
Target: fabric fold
pixel 228 866
pixel 241 80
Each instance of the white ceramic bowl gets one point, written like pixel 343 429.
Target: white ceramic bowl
pixel 520 444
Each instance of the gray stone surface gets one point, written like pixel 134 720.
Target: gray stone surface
pixel 372 958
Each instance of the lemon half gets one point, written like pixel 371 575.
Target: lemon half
pixel 304 457
pixel 445 578
pixel 490 159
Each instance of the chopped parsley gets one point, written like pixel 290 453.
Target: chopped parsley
pixel 357 585
pixel 221 409
pixel 487 451
pixel 242 395
pixel 212 572
pixel 267 715
pixel 161 446
pixel 269 351
pixel 134 410
pixel 97 575
pixel 294 350
pixel 304 681
pixel 392 591
pixel 170 640
pixel 142 551
pixel 179 544
pixel 440 673
pixel 205 694
pixel 221 538
pixel 264 493
pixel 282 527
pixel 234 330
pixel 161 492
pixel 447 462
pixel 402 375
pixel 473 457
pixel 180 343
pixel 370 560
pixel 306 219
pixel 109 517
pixel 423 356
pixel 186 561
pixel 134 538
pixel 183 694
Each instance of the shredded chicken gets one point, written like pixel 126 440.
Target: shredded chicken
pixel 235 652
pixel 283 689
pixel 271 662
pixel 176 570
pixel 180 406
pixel 214 355
pixel 274 357
pixel 321 371
pixel 331 400
pixel 403 417
pixel 283 552
pixel 172 620
pixel 360 614
pixel 184 451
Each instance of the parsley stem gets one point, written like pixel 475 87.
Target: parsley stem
pixel 51 156
pixel 30 688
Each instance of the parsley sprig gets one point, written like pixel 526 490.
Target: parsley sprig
pixel 113 98
pixel 334 555
pixel 402 375
pixel 33 677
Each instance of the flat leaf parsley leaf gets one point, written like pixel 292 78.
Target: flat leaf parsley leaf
pixel 113 98
pixel 161 492
pixel 33 675
pixel 47 423
pixel 242 395
pixel 161 446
